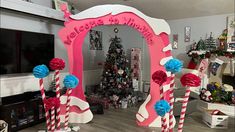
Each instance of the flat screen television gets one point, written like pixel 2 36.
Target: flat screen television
pixel 21 51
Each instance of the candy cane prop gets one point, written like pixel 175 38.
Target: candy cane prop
pixel 70 82
pixel 40 72
pixel 160 77
pixel 187 80
pixel 57 64
pixel 173 66
pixel 52 104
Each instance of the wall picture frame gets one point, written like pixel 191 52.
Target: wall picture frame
pixel 175 41
pixel 146 87
pixel 187 34
pixel 95 40
pixel 58 3
pixel 230 34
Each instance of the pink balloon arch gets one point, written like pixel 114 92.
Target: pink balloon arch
pixel 156 33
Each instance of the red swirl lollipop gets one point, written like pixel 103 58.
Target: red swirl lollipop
pixel 188 80
pixel 57 64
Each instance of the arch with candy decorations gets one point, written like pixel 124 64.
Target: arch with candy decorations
pixel 155 31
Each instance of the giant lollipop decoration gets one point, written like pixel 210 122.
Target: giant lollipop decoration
pixel 52 104
pixel 160 77
pixel 57 64
pixel 161 108
pixel 173 66
pixel 187 80
pixel 70 82
pixel 40 72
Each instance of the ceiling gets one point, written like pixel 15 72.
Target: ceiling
pixel 167 9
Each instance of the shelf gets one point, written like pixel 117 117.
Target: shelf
pixel 31 8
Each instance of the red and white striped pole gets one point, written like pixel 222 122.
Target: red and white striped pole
pixel 57 64
pixel 171 98
pixel 173 66
pixel 160 77
pixel 47 114
pixel 163 119
pixel 53 118
pixel 183 110
pixel 66 124
pixel 187 80
pixel 57 81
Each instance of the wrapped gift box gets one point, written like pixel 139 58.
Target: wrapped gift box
pixel 105 102
pixel 93 99
pixel 227 109
pixel 219 120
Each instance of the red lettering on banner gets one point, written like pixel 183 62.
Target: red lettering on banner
pixel 76 30
pixel 72 34
pixel 100 22
pixel 81 28
pixel 92 23
pixel 68 41
pixel 112 20
pixel 116 21
pixel 87 27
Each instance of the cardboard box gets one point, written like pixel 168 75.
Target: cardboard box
pixel 215 121
pixel 227 109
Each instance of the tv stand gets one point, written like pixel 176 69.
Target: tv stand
pixel 23 110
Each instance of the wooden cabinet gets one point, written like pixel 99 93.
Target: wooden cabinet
pixel 21 111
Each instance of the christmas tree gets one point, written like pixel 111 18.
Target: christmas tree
pixel 201 45
pixel 116 80
pixel 210 43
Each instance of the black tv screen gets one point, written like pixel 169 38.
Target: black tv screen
pixel 21 51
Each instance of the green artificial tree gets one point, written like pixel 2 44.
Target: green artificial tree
pixel 210 43
pixel 116 79
pixel 201 45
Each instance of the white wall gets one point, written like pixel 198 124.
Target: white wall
pixel 200 27
pixel 15 84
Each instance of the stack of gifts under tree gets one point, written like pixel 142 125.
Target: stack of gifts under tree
pixel 112 101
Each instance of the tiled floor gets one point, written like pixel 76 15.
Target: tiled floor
pixel 123 120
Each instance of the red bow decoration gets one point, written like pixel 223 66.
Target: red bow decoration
pixel 159 77
pixel 57 64
pixel 215 112
pixel 190 80
pixel 51 102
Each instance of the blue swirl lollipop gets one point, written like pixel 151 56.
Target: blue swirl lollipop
pixel 70 81
pixel 40 71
